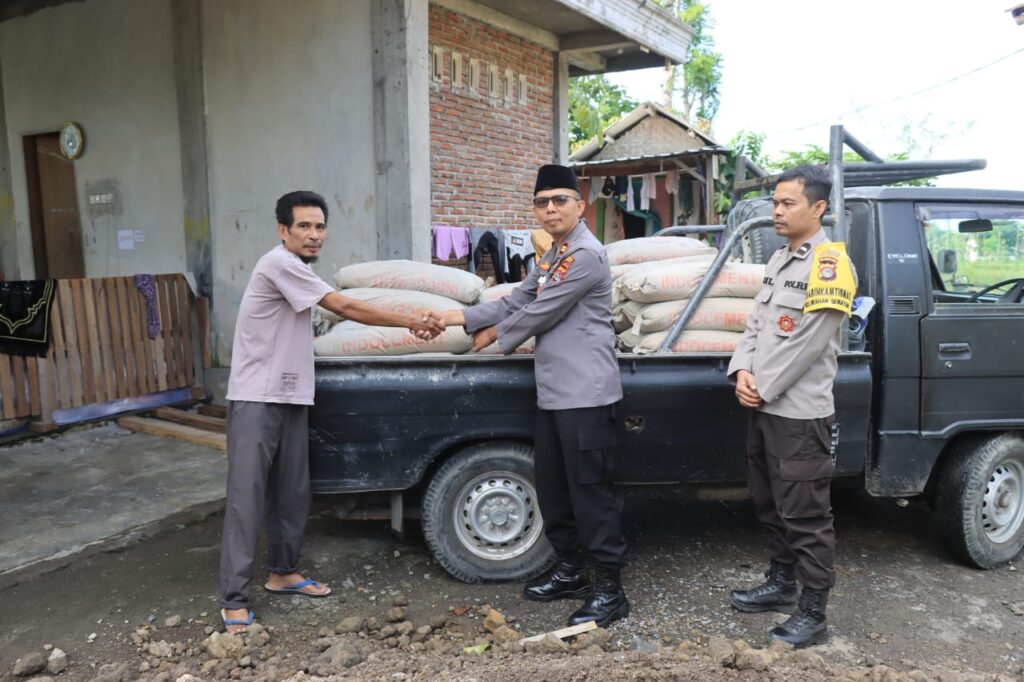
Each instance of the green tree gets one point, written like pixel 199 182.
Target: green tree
pixel 691 88
pixel 594 104
pixel 744 143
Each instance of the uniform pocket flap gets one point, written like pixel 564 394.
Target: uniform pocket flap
pixel 791 299
pixel 601 438
pixel 805 469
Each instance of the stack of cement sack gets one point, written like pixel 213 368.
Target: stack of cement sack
pixel 655 287
pixel 402 286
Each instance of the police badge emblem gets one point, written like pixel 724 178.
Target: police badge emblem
pixel 827 262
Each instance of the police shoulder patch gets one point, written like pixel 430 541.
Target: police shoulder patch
pixel 831 284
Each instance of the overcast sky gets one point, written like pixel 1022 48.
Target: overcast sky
pixel 793 67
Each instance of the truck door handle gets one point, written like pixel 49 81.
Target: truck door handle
pixel 955 350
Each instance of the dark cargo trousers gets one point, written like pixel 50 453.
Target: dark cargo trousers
pixel 268 477
pixel 789 473
pixel 574 454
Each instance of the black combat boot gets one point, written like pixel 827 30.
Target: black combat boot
pixel 567 579
pixel 778 593
pixel 607 602
pixel 808 625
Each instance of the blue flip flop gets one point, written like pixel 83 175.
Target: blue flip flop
pixel 237 621
pixel 297 589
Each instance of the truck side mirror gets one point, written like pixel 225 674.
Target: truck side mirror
pixel 947 261
pixel 975 225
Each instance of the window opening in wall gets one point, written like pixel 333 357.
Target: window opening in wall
pixel 474 74
pixel 456 70
pixel 493 81
pixel 522 88
pixel 510 84
pixel 437 64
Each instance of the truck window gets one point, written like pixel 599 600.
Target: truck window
pixel 972 249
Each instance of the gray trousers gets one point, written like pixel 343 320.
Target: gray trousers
pixel 268 477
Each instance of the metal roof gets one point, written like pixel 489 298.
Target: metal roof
pixel 667 156
pixel 630 120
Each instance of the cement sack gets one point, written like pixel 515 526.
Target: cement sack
pixel 697 341
pixel 721 314
pixel 647 249
pixel 671 281
pixel 498 291
pixel 632 268
pixel 406 274
pixel 624 314
pixel 350 338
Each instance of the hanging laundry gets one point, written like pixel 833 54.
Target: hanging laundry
pixel 449 240
pixel 146 284
pixel 518 243
pixel 671 182
pixel 622 186
pixel 608 187
pixel 596 183
pixel 630 195
pixel 648 191
pixel 490 243
pixel 25 316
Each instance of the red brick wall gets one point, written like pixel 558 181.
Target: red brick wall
pixel 484 152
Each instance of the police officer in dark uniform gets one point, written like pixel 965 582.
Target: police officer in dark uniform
pixel 565 303
pixel 784 368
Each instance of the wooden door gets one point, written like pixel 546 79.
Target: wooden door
pixel 53 209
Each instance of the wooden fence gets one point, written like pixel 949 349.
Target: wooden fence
pixel 101 350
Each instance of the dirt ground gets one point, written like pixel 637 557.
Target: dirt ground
pixel 902 609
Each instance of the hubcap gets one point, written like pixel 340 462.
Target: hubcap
pixel 1002 507
pixel 497 516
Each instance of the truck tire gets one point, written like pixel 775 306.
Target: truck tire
pixel 480 515
pixel 758 245
pixel 980 501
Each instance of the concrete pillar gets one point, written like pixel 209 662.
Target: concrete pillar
pixel 401 128
pixel 195 183
pixel 560 103
pixel 9 266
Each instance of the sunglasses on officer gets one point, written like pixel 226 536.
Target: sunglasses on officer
pixel 558 199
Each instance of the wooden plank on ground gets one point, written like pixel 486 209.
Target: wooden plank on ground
pixel 6 387
pixel 84 351
pixel 110 333
pixel 190 434
pixel 95 359
pixel 124 343
pixel 61 373
pixel 20 392
pixel 212 410
pixel 200 421
pixel 570 631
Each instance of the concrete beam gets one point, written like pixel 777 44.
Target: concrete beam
pixel 640 22
pixel 195 181
pixel 9 267
pixel 401 130
pixel 502 21
pixel 588 61
pixel 593 40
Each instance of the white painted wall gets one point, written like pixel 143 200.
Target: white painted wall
pixel 289 94
pixel 108 65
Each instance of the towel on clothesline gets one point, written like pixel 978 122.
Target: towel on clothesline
pixel 448 240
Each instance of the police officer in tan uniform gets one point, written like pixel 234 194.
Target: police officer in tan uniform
pixel 566 303
pixel 783 368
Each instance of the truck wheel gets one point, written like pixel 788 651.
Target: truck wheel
pixel 480 515
pixel 980 501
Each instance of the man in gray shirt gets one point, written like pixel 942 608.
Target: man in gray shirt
pixel 565 302
pixel 783 368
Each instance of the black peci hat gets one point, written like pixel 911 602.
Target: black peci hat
pixel 553 176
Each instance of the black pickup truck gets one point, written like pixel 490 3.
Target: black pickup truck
pixel 930 398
